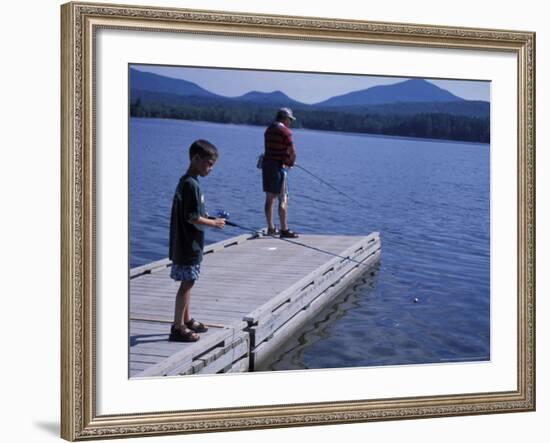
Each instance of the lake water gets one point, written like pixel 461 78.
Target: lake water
pixel 428 199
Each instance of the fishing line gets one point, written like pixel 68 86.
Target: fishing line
pixel 330 185
pixel 224 215
pixel 359 205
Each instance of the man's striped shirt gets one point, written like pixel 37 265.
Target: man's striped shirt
pixel 279 145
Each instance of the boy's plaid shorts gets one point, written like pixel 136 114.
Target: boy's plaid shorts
pixel 185 272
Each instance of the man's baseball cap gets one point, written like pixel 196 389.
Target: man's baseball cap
pixel 285 113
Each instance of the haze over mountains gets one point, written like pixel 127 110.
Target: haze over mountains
pixel 153 95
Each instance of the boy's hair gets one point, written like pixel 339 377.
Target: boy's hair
pixel 204 149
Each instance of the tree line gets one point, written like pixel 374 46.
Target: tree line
pixel 424 125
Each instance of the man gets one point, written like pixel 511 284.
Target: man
pixel 279 156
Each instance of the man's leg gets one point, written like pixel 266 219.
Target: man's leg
pixel 283 203
pixel 269 200
pixel 283 213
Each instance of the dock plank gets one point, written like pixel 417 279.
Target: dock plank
pixel 242 282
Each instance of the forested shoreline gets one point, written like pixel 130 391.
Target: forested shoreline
pixel 381 121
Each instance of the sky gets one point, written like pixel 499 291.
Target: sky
pixel 304 87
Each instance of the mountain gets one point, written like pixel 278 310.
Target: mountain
pixel 413 108
pixel 154 87
pixel 415 90
pixel 412 94
pixel 146 81
pixel 275 97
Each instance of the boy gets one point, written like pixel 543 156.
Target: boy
pixel 187 223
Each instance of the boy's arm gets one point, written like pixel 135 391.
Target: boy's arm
pixel 212 222
pixel 191 213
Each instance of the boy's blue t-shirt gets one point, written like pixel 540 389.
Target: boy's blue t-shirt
pixel 187 239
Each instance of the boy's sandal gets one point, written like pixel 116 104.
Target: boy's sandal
pixel 196 326
pixel 185 336
pixel 273 231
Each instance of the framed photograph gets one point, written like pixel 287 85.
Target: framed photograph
pixel 275 221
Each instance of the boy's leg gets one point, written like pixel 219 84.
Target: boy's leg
pixel 187 310
pixel 183 302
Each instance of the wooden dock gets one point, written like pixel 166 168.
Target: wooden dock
pixel 254 292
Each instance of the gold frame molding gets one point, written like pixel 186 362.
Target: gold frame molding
pixel 80 21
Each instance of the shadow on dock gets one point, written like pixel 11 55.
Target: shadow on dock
pixel 147 338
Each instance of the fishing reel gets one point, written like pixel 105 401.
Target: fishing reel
pixel 222 214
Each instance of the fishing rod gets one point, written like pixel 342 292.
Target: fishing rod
pixel 225 216
pixel 330 185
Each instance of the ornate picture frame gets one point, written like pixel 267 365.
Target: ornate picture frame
pixel 80 241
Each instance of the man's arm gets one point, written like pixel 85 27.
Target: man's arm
pixel 291 155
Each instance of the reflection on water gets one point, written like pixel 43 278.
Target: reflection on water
pixel 290 355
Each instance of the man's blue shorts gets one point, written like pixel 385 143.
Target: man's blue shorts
pixel 273 177
pixel 185 272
